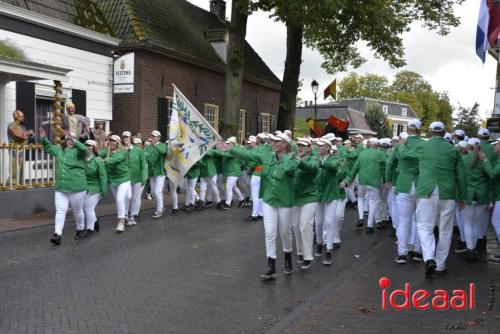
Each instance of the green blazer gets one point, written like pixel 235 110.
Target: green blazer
pixel 231 166
pixel 406 166
pixel 370 166
pixel 137 165
pixel 97 178
pixel 207 165
pixel 155 157
pixel 116 166
pixel 328 182
pixel 306 185
pixel 477 180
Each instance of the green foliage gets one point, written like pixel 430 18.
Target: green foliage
pixel 369 85
pixel 9 49
pixel 377 120
pixel 468 119
pixel 90 16
pixel 301 128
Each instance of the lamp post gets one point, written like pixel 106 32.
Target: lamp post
pixel 315 86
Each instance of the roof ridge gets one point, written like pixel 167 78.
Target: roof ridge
pixel 135 20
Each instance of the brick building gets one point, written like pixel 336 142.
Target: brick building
pixel 176 42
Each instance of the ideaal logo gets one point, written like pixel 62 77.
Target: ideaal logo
pixel 423 300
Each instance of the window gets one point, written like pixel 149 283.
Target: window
pixel 212 115
pixel 395 129
pixel 385 108
pixel 265 122
pixel 242 125
pixel 404 111
pixel 164 113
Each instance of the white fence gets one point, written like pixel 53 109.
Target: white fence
pixel 25 166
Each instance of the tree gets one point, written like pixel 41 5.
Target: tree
pixel 468 120
pixel 377 120
pixel 235 56
pixel 410 82
pixel 369 85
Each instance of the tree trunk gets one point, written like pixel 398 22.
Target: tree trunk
pixel 290 84
pixel 234 68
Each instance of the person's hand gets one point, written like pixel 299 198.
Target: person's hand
pixel 342 185
pixel 41 131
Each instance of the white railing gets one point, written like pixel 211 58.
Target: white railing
pixel 25 166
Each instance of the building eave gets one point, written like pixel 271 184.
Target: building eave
pixel 17 70
pixel 55 24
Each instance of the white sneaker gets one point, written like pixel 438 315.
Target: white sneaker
pixel 158 214
pixel 120 227
pixel 131 221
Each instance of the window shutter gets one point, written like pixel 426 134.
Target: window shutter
pixel 163 117
pixel 79 98
pixel 259 122
pixel 248 124
pixel 25 101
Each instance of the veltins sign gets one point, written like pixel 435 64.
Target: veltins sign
pixel 123 74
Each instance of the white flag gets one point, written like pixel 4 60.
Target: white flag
pixel 190 138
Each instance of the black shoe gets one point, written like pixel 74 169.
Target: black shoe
pixel 261 217
pixel 89 233
pixel 188 208
pixel 300 258
pixel 251 218
pixel 306 264
pixel 461 247
pixel 370 230
pixel 319 250
pixel 271 270
pixel 198 206
pixel 417 257
pixel 79 234
pixel 96 226
pixel 430 267
pixel 328 258
pixel 336 245
pixel 401 259
pixel 470 255
pixel 175 211
pixel 288 264
pixel 481 244
pixel 389 222
pixel 365 213
pixel 241 203
pixel 56 239
pixel 222 206
pixel 360 223
pixel 379 225
pixel 456 230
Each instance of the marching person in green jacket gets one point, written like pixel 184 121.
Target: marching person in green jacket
pixel 405 189
pixel 277 193
pixel 191 178
pixel 208 180
pixel 478 171
pixel 155 157
pixel 328 187
pixel 97 184
pixel 261 146
pixel 138 168
pixel 382 217
pixel 116 161
pixel 231 170
pixel 495 218
pixel 352 156
pixel 441 177
pixel 71 183
pixel 370 168
pixel 306 201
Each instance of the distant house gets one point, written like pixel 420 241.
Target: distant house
pixel 399 114
pixel 357 123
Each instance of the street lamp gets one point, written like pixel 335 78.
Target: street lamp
pixel 315 86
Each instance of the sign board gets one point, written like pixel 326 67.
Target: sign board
pixel 123 74
pixel 496 109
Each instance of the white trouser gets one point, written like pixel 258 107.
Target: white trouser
pixel 495 219
pixel 484 221
pixel 121 193
pixel 62 202
pixel 383 209
pixel 460 223
pixel 134 199
pixel 244 184
pixel 173 195
pixel 471 216
pixel 303 220
pixel 393 207
pixel 415 239
pixel 211 184
pixel 256 201
pixel 407 204
pixel 339 219
pixel 157 183
pixel 373 198
pixel 230 187
pixel 325 223
pixel 221 185
pixel 91 201
pixel 361 201
pixel 190 191
pixel 350 193
pixel 274 217
pixel 427 211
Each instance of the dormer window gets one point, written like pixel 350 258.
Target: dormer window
pixel 404 112
pixel 385 108
pixel 218 38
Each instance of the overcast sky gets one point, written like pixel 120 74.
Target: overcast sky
pixel 449 62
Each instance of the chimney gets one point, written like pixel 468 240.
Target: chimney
pixel 218 7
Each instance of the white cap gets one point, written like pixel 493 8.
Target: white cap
pixel 473 141
pixel 466 138
pixel 90 143
pixel 347 141
pixel 330 136
pixel 137 141
pixel 126 134
pixel 373 141
pixel 447 136
pixel 462 144
pixel 115 138
pixel 231 140
pixel 287 132
pixel 156 133
pixel 323 141
pixel 460 133
pixel 483 132
pixel 415 123
pixel 280 137
pixel 338 139
pixel 71 135
pixel 304 141
pixel 385 141
pixel 495 142
pixel 277 132
pixel 365 141
pixel 261 136
pixel 436 126
pixel 252 138
pixel 404 135
pixel 395 138
pixel 359 135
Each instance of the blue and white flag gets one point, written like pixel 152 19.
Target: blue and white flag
pixel 190 137
pixel 482 30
